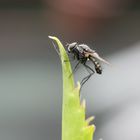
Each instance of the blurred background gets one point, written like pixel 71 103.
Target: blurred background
pixel 30 70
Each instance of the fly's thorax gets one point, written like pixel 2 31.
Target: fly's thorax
pixel 87 55
pixel 76 51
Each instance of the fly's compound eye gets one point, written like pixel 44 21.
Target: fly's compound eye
pixel 69 49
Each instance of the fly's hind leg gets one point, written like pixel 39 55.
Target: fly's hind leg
pixel 85 79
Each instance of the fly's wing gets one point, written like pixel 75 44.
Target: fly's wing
pixel 89 52
pixel 86 48
pixel 96 56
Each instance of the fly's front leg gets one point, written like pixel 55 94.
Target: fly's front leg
pixel 57 51
pixel 71 58
pixel 75 68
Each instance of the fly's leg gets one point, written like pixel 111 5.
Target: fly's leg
pixel 75 68
pixel 56 48
pixel 90 71
pixel 57 51
pixel 70 58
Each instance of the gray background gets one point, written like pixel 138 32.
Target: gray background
pixel 30 70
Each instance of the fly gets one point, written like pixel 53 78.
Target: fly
pixel 84 53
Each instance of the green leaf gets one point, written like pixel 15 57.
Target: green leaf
pixel 74 125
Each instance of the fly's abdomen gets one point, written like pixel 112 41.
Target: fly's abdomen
pixel 98 67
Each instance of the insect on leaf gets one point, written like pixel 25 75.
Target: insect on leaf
pixel 74 124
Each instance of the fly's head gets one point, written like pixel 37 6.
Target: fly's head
pixel 71 46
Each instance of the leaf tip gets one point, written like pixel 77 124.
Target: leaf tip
pixel 88 120
pixel 54 38
pixel 51 37
pixel 83 104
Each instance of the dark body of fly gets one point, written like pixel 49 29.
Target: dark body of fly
pixel 83 53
